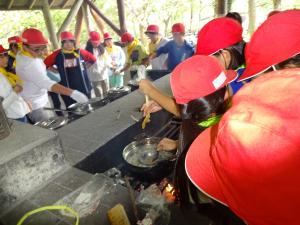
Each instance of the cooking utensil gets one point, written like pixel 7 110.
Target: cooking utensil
pixel 149 157
pixel 90 106
pixel 161 168
pixel 116 93
pixel 141 151
pixel 53 123
pixel 79 113
pixel 147 117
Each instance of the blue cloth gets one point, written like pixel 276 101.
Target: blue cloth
pixel 175 53
pixel 23 119
pixel 53 76
pixel 237 85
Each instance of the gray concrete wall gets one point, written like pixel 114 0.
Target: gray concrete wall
pixel 29 157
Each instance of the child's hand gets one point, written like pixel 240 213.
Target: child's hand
pixel 18 88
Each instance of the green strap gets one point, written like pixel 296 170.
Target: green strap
pixel 210 121
pixel 53 207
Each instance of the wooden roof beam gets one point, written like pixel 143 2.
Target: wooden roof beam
pixel 103 17
pixel 72 13
pixel 10 3
pixel 65 3
pixel 31 4
pixel 51 3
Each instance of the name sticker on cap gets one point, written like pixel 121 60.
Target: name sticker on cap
pixel 219 81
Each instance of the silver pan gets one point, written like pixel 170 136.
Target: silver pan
pixel 143 154
pixel 89 106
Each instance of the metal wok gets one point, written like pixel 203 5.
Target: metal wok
pixel 143 162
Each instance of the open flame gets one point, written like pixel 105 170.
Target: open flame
pixel 169 191
pixel 169 188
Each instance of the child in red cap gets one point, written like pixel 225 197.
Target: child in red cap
pixel 274 45
pixel 178 49
pixel 156 41
pixel 14 105
pixel 71 63
pixel 249 161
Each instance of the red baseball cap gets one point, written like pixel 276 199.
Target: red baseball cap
pixel 218 34
pixel 95 37
pixel 152 29
pixel 107 36
pixel 66 35
pixel 3 50
pixel 178 28
pixel 275 41
pixel 197 77
pixel 126 37
pixel 250 160
pixel 14 39
pixel 32 36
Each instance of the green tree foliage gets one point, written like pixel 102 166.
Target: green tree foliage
pixel 193 13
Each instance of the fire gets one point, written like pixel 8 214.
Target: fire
pixel 169 188
pixel 169 192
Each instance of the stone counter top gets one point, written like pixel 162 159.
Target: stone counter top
pixel 83 136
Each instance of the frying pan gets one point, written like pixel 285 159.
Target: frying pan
pixel 154 169
pixel 89 106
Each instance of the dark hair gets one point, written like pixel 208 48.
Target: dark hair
pixel 294 61
pixel 234 15
pixel 89 47
pixel 11 45
pixel 73 41
pixel 237 55
pixel 192 113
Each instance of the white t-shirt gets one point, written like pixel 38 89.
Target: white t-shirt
pixel 14 105
pixel 36 82
pixel 99 70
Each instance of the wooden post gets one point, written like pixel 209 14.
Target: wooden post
pixel 78 27
pixel 221 7
pixel 98 21
pixel 10 3
pixel 121 13
pixel 106 20
pixel 32 4
pixel 73 11
pixel 252 16
pixel 85 14
pixel 49 23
